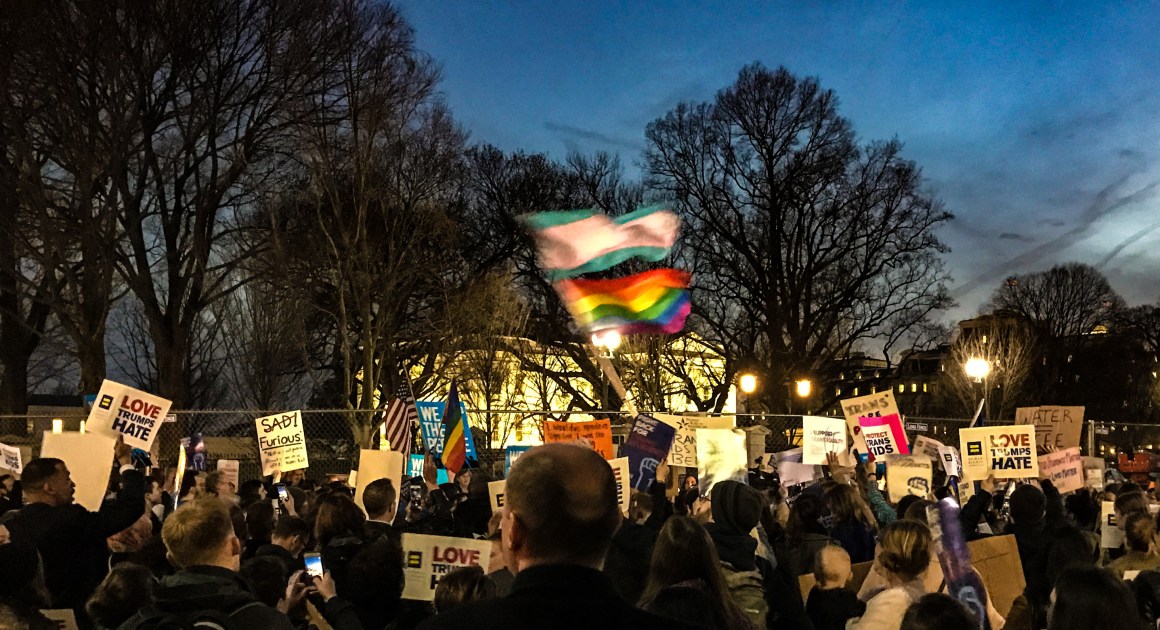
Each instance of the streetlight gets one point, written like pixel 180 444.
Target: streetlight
pixel 747 383
pixel 803 388
pixel 977 369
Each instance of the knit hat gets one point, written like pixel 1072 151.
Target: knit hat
pixel 735 506
pixel 20 562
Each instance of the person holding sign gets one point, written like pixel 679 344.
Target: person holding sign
pixel 560 512
pixel 71 539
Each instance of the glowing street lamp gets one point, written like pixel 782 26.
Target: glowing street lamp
pixel 748 383
pixel 977 369
pixel 803 388
pixel 607 339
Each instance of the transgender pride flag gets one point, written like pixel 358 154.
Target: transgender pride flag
pixel 573 242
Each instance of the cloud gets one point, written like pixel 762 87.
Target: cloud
pixel 577 133
pixel 1126 243
pixel 1009 236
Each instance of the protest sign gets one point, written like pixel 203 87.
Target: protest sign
pixel 721 455
pixel 647 445
pixel 595 434
pixel 495 489
pixel 62 618
pixel 821 436
pixel 428 558
pixel 230 468
pixel 1057 427
pixel 908 475
pixel 11 459
pixel 927 446
pixel 1093 472
pixel 1063 468
pixel 415 469
pixel 89 457
pixel 1111 536
pixel 952 462
pixel 374 465
pixel 352 478
pixel 431 426
pixel 281 442
pixel 621 473
pixel 510 455
pixel 120 410
pixel 684 450
pixel 884 436
pixel 871 406
pixel 1002 451
pixel 792 471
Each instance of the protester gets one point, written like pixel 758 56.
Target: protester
pixel 852 528
pixel 1139 540
pixel 9 494
pixel 22 585
pixel 560 514
pixel 831 604
pixel 903 555
pixel 1067 548
pixel 805 535
pixel 473 509
pixel 627 561
pixel 217 484
pixel 461 586
pixel 937 611
pixel 1087 597
pixel 260 523
pixel 287 542
pixel 380 502
pixel 125 590
pixel 72 541
pixel 252 491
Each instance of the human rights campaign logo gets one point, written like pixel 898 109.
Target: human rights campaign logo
pixel 414 559
pixel 106 402
pixel 974 448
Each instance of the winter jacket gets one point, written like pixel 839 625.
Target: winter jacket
pixel 856 539
pixel 886 609
pixel 628 559
pixel 206 588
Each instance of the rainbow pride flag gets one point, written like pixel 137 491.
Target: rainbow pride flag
pixel 655 301
pixel 573 242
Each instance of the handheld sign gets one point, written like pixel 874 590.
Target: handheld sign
pixel 647 446
pixel 621 474
pixel 820 436
pixel 426 559
pixel 415 469
pixel 495 489
pixel 1057 427
pixel 1111 536
pixel 120 410
pixel 884 436
pixel 595 434
pixel 11 459
pixel 374 465
pixel 89 457
pixel 721 455
pixel 952 463
pixel 908 475
pixel 792 471
pixel 870 406
pixel 230 468
pixel 282 442
pixel 434 432
pixel 927 446
pixel 684 449
pixel 1002 451
pixel 1064 469
pixel 510 455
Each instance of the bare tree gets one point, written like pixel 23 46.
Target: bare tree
pixel 1010 346
pixel 802 243
pixel 1064 301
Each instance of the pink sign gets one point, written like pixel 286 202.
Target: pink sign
pixel 884 436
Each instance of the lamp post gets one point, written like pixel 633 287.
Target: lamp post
pixel 747 383
pixel 608 341
pixel 977 369
pixel 803 387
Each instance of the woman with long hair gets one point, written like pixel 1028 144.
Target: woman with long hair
pixel 685 580
pixel 805 535
pixel 852 526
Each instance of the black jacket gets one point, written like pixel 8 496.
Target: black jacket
pixel 559 597
pixel 628 559
pixel 203 588
pixel 72 540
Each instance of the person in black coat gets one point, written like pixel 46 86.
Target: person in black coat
pixel 560 515
pixel 72 540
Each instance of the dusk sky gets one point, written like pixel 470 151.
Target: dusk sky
pixel 1036 123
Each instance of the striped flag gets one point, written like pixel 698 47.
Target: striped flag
pixel 400 416
pixel 454 430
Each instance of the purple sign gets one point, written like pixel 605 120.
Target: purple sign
pixel 963 583
pixel 647 445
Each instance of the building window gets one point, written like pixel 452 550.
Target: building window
pixel 873 389
pixel 855 391
pixel 837 391
pixel 925 389
pixel 914 388
pixel 901 388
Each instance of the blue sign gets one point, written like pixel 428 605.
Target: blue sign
pixel 415 469
pixel 431 425
pixel 510 455
pixel 647 446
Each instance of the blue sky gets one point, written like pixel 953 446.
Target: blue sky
pixel 1036 123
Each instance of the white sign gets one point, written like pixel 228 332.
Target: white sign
pixel 122 410
pixel 907 475
pixel 721 455
pixel 1063 468
pixel 1003 451
pixel 952 463
pixel 927 446
pixel 64 618
pixel 620 472
pixel 89 457
pixel 1111 536
pixel 426 559
pixel 10 459
pixel 282 443
pixel 374 465
pixel 821 436
pixel 496 490
pixel 684 449
pixel 792 471
pixel 230 468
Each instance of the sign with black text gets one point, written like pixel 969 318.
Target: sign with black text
pixel 120 410
pixel 282 442
pixel 426 559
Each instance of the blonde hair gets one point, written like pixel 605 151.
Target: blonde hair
pixel 195 533
pixel 905 549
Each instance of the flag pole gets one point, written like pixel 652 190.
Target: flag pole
pixel 978 412
pixel 613 378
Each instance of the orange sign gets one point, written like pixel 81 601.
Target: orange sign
pixel 596 434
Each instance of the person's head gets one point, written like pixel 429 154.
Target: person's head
pixel 561 507
pixel 917 511
pixel 844 504
pixel 1027 505
pixel 251 491
pixel 337 515
pixel 689 482
pixel 202 533
pixel 292 534
pixel 1083 510
pixel 47 480
pixel 188 485
pixel 293 477
pixel 904 550
pixel 684 552
pixel 805 516
pixel 260 521
pixel 1088 597
pixel 937 611
pixel 904 504
pixel 219 485
pixel 832 567
pixel 1139 530
pixel 1129 503
pixel 463 585
pixel 463 479
pixel 267 577
pixel 7 482
pixel 1128 487
pixel 374 581
pixel 640 507
pixel 152 491
pixel 736 507
pixel 126 589
pixel 381 500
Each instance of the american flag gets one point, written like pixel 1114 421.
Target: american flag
pixel 399 417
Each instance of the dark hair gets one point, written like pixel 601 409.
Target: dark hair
pixel 904 504
pixel 188 481
pixel 463 585
pixel 260 520
pixel 337 515
pixel 1082 508
pixel 1027 505
pixel 804 517
pixel 38 471
pixel 905 549
pixel 684 552
pixel 565 497
pixel 290 526
pixel 1139 530
pixel 917 511
pixel 938 612
pixel 250 492
pixel 125 590
pixel 374 582
pixel 1128 487
pixel 846 506
pixel 212 480
pixel 640 506
pixel 1087 597
pixel 1067 547
pixel 379 496
pixel 1130 503
pixel 267 575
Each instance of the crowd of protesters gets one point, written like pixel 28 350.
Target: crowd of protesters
pixel 207 554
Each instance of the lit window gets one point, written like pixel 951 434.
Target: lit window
pixel 914 388
pixel 925 389
pixel 837 391
pixel 855 391
pixel 901 388
pixel 984 338
pixel 873 389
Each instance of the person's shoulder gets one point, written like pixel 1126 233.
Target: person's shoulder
pixel 258 615
pixel 491 613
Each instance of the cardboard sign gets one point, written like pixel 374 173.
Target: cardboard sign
pixel 426 559
pixel 820 436
pixel 64 618
pixel 721 455
pixel 595 434
pixel 1064 469
pixel 871 406
pixel 623 480
pixel 884 436
pixel 120 410
pixel 952 462
pixel 1111 536
pixel 1059 427
pixel 1002 451
pixel 415 469
pixel 496 490
pixel 927 446
pixel 647 446
pixel 684 450
pixel 510 455
pixel 431 426
pixel 282 443
pixel 908 475
pixel 230 468
pixel 1093 472
pixel 792 471
pixel 352 478
pixel 89 457
pixel 11 459
pixel 374 465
